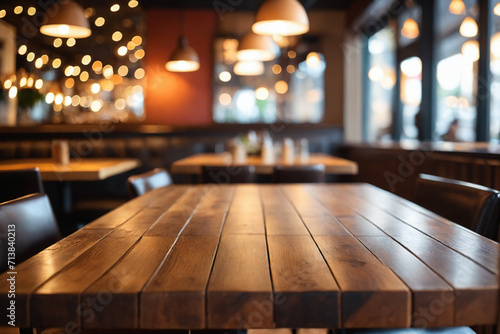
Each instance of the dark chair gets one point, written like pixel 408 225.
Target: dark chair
pixel 470 205
pixel 227 174
pixel 19 182
pixel 299 174
pixel 35 227
pixel 140 184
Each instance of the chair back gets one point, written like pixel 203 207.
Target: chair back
pixel 227 174
pixel 140 184
pixel 299 174
pixel 468 204
pixel 19 182
pixel 32 221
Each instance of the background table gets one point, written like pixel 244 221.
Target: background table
pixel 192 164
pixel 85 169
pixel 262 256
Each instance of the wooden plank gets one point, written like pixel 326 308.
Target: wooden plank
pixel 239 293
pixel 57 301
pixel 433 300
pixel 177 216
pixel 211 212
pixel 281 218
pixel 360 227
pixel 476 288
pixel 481 250
pixel 113 300
pixel 334 204
pixel 301 277
pixel 175 296
pixel 245 215
pixel 372 295
pixel 45 264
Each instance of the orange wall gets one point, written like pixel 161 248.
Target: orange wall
pixel 178 98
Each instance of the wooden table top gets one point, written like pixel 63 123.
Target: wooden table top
pixel 192 164
pixel 261 256
pixel 85 169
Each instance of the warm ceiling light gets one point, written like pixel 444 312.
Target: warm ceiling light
pixel 281 17
pixel 468 28
pixel 470 50
pixel 410 29
pixel 184 58
pixel 256 47
pixel 68 21
pixel 457 7
pixel 249 68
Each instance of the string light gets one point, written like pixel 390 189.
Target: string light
pixel 30 82
pixel 122 51
pixel 137 40
pixel 99 22
pixel 18 10
pixel 68 71
pixel 59 98
pixel 7 84
pixel 84 76
pixel 31 11
pixel 130 46
pixel 57 42
pixel 290 69
pixel 276 69
pixel 468 28
pixel 3 12
pixel 292 54
pixel 76 71
pixel 115 8
pixel 22 82
pixel 71 42
pixel 95 88
pixel 139 73
pixel 97 66
pixel 30 57
pixel 225 76
pixel 107 71
pixel 69 83
pixel 39 84
pixel 123 70
pixel 133 3
pixel 410 29
pixel 96 105
pixel 67 101
pixel 22 49
pixel 38 63
pixel 56 63
pixel 281 87
pixel 13 92
pixel 139 54
pixel 117 36
pixel 49 98
pixel 86 59
pixel 45 59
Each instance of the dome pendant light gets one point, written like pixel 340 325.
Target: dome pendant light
pixel 256 47
pixel 457 7
pixel 410 29
pixel 184 58
pixel 468 28
pixel 281 17
pixel 69 21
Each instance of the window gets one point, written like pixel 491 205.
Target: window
pixel 382 76
pixel 289 88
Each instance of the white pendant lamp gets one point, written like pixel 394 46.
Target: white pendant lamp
pixel 468 28
pixel 184 58
pixel 256 47
pixel 281 17
pixel 69 21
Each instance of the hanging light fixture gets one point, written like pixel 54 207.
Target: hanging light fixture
pixel 468 28
pixel 457 7
pixel 184 58
pixel 69 21
pixel 281 17
pixel 410 29
pixel 256 47
pixel 496 10
pixel 249 68
pixel 470 50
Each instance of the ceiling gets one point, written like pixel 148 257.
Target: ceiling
pixel 241 5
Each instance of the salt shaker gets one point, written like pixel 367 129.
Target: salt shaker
pixel 303 150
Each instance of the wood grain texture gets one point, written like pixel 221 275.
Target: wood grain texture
pixel 368 286
pixel 58 301
pixel 175 295
pixel 301 277
pixel 246 214
pixel 192 164
pixel 86 169
pixel 112 301
pixel 36 270
pixel 239 294
pixel 433 301
pixel 476 288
